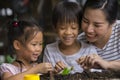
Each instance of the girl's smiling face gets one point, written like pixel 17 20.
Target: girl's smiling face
pixel 33 48
pixel 95 25
pixel 68 33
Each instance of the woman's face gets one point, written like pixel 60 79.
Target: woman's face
pixel 95 25
pixel 68 33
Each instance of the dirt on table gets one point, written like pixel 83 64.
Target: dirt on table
pixel 106 75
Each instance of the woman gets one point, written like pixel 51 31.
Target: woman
pixel 102 29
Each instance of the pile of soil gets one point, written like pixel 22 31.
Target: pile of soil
pixel 106 75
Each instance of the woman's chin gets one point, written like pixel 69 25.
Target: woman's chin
pixel 91 40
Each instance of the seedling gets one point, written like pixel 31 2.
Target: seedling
pixel 66 71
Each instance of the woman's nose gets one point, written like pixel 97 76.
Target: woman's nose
pixel 90 28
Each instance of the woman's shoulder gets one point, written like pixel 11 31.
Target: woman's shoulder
pixel 118 21
pixel 116 28
pixel 82 37
pixel 117 24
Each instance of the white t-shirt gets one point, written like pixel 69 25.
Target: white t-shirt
pixel 52 54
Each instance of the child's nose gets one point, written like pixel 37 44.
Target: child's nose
pixel 68 31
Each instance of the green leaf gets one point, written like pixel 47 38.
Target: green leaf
pixel 66 71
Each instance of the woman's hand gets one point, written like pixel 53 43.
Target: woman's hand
pixel 59 66
pixel 92 61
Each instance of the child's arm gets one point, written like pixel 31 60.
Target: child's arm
pixel 40 68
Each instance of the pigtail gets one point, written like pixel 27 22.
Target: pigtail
pixel 12 27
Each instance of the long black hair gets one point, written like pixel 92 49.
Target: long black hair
pixel 109 7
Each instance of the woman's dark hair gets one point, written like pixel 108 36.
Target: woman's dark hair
pixel 22 31
pixel 66 12
pixel 109 7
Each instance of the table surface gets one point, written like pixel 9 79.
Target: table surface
pixel 106 75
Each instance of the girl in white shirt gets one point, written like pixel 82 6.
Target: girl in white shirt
pixel 66 51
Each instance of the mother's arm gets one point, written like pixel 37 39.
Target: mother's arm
pixel 95 61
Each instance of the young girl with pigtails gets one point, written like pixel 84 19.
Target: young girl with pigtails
pixel 25 39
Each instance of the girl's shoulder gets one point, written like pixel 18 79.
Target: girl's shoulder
pixel 7 67
pixel 86 44
pixel 52 45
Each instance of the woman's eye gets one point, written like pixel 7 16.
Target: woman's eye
pixel 97 25
pixel 85 21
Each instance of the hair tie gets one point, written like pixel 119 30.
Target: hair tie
pixel 15 22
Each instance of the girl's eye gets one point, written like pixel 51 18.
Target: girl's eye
pixel 62 28
pixel 40 43
pixel 37 44
pixel 34 44
pixel 74 27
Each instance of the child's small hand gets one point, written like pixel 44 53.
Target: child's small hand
pixel 59 66
pixel 45 67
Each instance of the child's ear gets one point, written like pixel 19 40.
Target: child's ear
pixel 17 44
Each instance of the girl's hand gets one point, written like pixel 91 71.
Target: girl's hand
pixel 59 66
pixel 45 67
